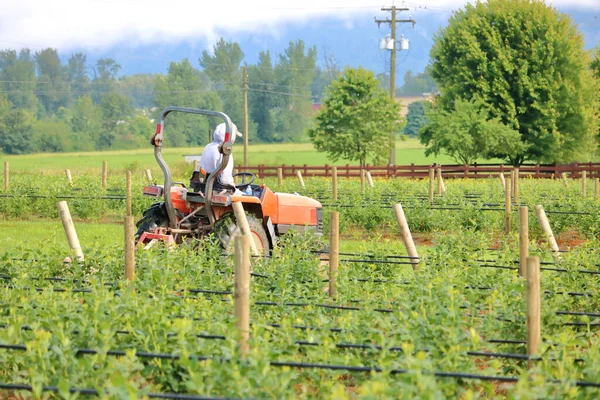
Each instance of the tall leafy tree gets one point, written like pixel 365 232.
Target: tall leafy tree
pixel 106 72
pixel 295 72
pixel 16 132
pixel 262 96
pixel 526 62
pixel 415 119
pixel 183 86
pixel 86 123
pixel 77 75
pixel 52 89
pixel 139 88
pixel 417 84
pixel 17 73
pixel 224 68
pixel 116 111
pixel 466 133
pixel 355 114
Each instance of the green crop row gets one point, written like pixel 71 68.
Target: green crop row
pixel 417 323
pixel 467 204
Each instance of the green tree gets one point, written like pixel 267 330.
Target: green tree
pixel 86 123
pixel 526 62
pixel 417 84
pixel 139 89
pixel 183 86
pixel 115 110
pixel 294 72
pixel 52 89
pixel 17 73
pixel 77 75
pixel 466 133
pixel 261 97
pixel 105 77
pixel 16 132
pixel 52 136
pixel 355 113
pixel 415 119
pixel 223 67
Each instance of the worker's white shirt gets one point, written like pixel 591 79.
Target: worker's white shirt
pixel 210 161
pixel 211 158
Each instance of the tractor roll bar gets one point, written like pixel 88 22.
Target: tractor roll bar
pixel 157 142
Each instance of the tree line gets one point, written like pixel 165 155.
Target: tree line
pixel 50 106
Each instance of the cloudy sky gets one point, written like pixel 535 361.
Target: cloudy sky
pixel 101 24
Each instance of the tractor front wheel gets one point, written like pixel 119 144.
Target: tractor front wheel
pixel 226 230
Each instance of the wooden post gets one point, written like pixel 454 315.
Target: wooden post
pixel 431 181
pixel 67 221
pixel 300 178
pixel 334 182
pixel 242 223
pixel 583 183
pixel 362 179
pixel 534 331
pixel 334 251
pixel 507 207
pixel 242 293
pixel 523 239
pixel 196 165
pixel 440 188
pixel 104 174
pixel 370 179
pixel 128 194
pixel 515 195
pixel 280 176
pixel 543 220
pixel 502 180
pixel 148 175
pixel 69 177
pixel 129 248
pixel 564 178
pixel 406 236
pixel 596 187
pixel 6 176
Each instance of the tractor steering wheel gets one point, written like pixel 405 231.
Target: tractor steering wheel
pixel 244 184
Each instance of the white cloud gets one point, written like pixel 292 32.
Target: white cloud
pixel 100 24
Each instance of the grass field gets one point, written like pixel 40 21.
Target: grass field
pixel 407 152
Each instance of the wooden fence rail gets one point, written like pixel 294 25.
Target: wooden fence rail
pixel 539 171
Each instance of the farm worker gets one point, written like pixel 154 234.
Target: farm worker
pixel 211 158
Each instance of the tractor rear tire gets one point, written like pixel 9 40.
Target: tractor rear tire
pixel 154 217
pixel 226 230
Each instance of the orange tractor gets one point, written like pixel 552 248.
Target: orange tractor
pixel 196 211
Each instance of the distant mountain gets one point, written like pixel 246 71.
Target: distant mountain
pixel 352 42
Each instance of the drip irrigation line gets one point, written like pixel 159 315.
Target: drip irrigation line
pixel 583 324
pixel 364 255
pixel 581 271
pixel 373 261
pixel 94 392
pixel 590 314
pixel 344 346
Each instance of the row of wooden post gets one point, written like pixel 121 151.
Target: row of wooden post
pixel 528 266
pixel 364 176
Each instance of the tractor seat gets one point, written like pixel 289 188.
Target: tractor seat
pixel 198 184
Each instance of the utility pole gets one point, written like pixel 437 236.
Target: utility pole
pixel 392 22
pixel 245 119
